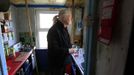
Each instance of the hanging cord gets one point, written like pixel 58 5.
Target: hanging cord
pixel 29 22
pixel 30 33
pixel 73 21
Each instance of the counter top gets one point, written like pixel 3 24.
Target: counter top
pixel 14 63
pixel 79 59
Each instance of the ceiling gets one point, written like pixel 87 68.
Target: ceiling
pixel 50 2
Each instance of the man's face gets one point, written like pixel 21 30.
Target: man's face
pixel 67 19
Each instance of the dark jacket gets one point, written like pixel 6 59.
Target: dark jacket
pixel 58 45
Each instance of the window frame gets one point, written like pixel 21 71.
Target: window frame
pixel 37 26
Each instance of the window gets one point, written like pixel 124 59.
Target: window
pixel 44 22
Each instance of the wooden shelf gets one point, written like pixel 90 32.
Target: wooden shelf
pixel 7 32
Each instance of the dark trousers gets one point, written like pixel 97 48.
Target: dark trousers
pixel 56 72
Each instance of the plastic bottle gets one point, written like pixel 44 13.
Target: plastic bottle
pixel 13 52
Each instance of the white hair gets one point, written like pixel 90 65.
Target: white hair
pixel 64 16
pixel 64 12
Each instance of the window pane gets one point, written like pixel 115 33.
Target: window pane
pixel 46 20
pixel 43 39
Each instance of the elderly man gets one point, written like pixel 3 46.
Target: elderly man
pixel 59 45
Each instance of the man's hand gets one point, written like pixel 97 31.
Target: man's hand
pixel 72 50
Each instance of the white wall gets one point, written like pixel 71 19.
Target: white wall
pixel 13 23
pixel 22 21
pixel 111 59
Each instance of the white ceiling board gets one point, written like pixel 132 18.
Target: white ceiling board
pixel 61 1
pixel 52 2
pixel 39 1
pixel 20 1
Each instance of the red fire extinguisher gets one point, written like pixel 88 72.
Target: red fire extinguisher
pixel 107 20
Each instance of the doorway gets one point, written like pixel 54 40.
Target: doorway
pixel 130 63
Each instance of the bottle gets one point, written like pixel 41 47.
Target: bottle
pixel 13 52
pixel 6 49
